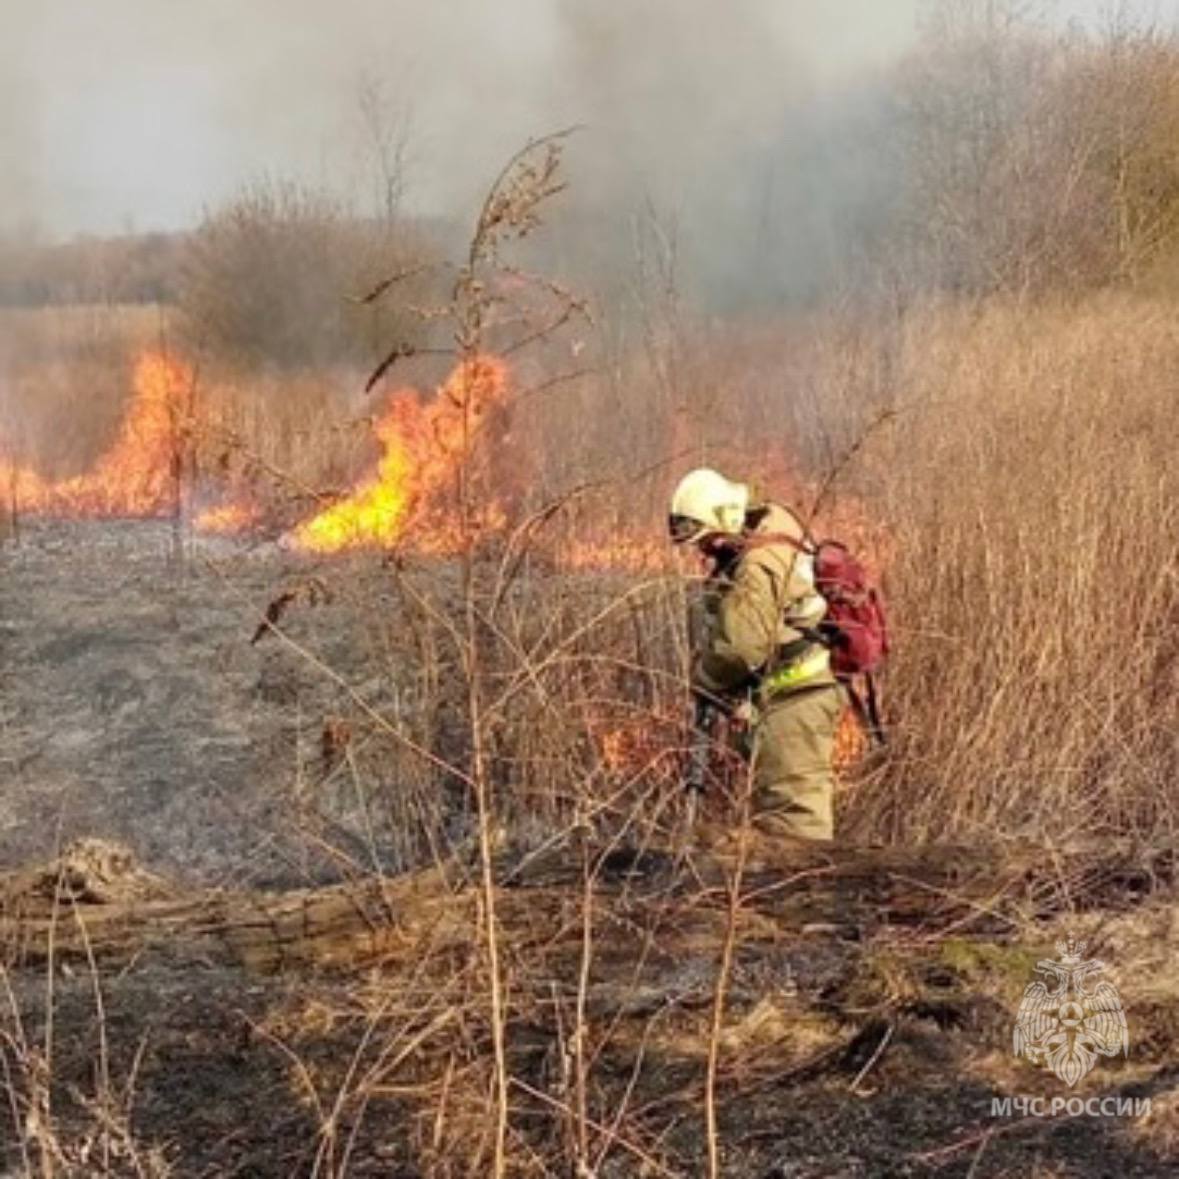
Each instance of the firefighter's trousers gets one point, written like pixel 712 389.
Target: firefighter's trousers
pixel 793 774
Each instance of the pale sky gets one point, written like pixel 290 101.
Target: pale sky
pixel 137 114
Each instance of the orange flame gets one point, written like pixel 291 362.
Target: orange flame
pixel 851 743
pixel 630 745
pixel 230 519
pixel 424 446
pixel 137 476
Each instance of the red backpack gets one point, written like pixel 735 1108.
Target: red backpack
pixel 855 627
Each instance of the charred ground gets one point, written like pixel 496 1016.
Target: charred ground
pixel 135 706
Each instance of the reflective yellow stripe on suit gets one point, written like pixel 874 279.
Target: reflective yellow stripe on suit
pixel 793 674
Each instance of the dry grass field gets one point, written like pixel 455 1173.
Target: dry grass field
pixel 344 722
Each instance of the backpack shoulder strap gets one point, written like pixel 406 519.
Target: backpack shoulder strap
pixel 761 539
pixel 803 544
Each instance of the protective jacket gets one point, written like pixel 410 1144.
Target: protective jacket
pixel 759 604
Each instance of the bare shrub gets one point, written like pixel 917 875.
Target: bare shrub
pixel 274 278
pixel 1034 160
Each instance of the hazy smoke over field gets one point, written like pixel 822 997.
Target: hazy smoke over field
pixel 19 148
pixel 751 127
pixel 720 131
pixel 138 114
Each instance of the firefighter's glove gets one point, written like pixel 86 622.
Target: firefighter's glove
pixel 832 635
pixel 743 716
pixel 720 674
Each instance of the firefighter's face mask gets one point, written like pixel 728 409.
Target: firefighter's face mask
pixel 685 530
pixel 719 549
pixel 688 530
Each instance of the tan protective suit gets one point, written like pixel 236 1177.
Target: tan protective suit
pixel 753 645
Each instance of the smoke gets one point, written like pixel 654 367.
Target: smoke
pixel 752 140
pixel 20 142
pixel 750 127
pixel 136 111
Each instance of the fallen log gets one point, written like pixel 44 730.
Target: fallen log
pixel 96 902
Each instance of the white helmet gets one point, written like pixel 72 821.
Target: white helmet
pixel 705 502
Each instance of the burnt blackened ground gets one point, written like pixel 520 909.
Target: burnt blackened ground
pixel 222 1073
pixel 133 705
pixel 183 1062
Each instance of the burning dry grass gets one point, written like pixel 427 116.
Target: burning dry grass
pixel 1021 510
pixel 423 444
pixel 140 474
pixel 65 382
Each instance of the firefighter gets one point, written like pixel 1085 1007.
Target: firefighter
pixel 760 651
